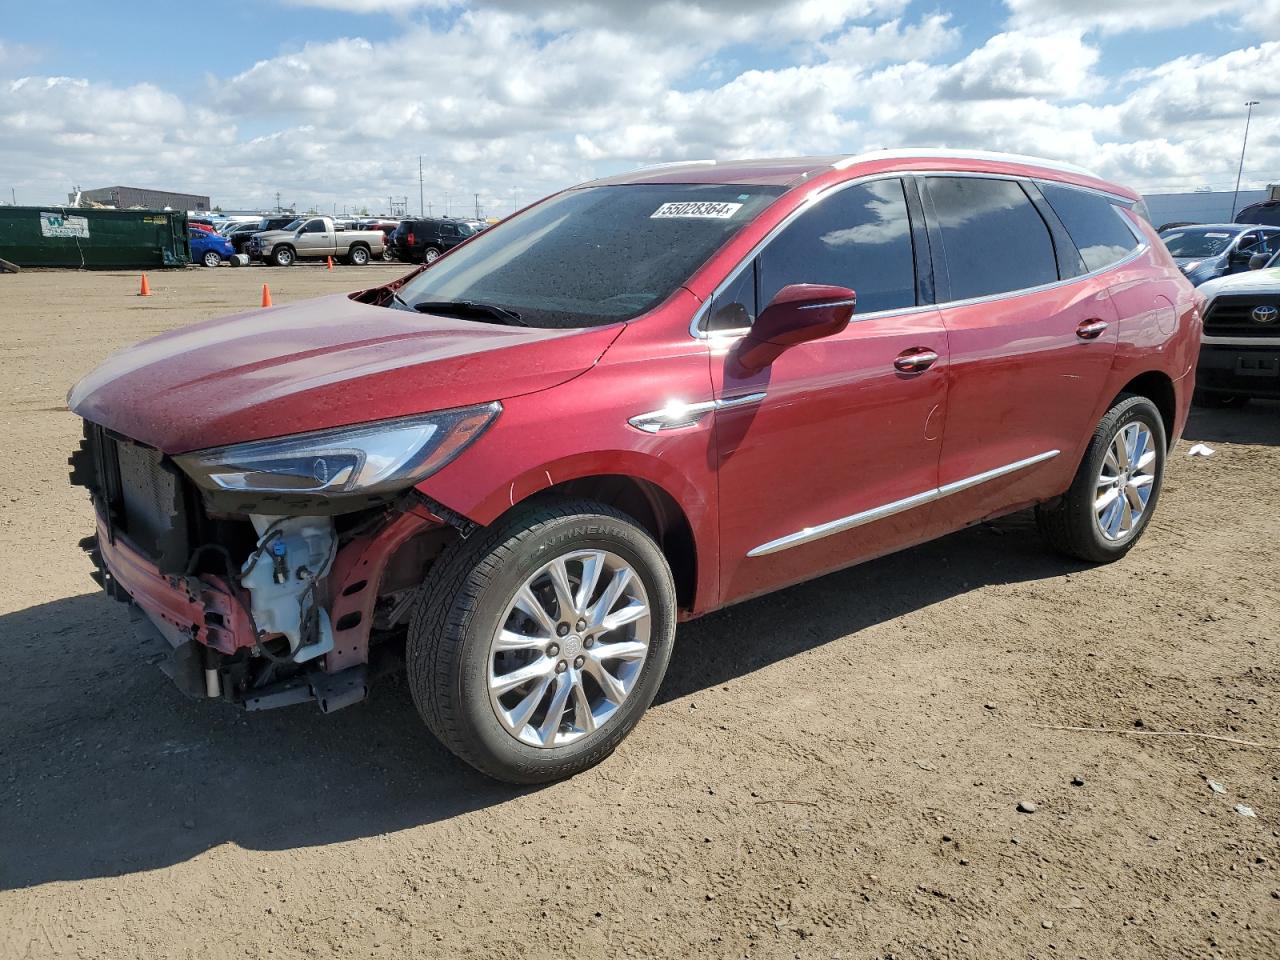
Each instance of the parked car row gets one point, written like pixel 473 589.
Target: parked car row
pixel 418 240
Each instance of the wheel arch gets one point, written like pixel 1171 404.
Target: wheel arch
pixel 653 508
pixel 1156 386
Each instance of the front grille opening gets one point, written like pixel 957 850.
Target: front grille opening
pixel 1240 316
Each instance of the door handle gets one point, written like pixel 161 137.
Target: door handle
pixel 1091 329
pixel 915 360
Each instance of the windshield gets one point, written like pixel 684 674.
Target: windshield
pixel 294 224
pixel 1197 243
pixel 593 256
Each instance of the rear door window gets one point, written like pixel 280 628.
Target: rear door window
pixel 859 237
pixel 1093 222
pixel 994 239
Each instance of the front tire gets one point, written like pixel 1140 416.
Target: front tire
pixel 1116 486
pixel 283 256
pixel 538 643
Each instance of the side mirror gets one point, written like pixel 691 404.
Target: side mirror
pixel 1258 261
pixel 800 312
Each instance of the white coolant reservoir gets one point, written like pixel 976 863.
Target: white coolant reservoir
pixel 282 575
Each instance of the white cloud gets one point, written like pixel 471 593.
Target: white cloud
pixel 863 46
pixel 523 97
pixel 1052 65
pixel 1110 16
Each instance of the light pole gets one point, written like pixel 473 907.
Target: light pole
pixel 419 184
pixel 1244 143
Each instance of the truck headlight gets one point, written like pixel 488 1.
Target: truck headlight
pixel 369 458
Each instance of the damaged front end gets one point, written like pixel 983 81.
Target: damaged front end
pixel 275 572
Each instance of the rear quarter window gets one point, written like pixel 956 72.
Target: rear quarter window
pixel 1094 222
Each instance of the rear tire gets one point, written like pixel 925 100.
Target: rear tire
pixel 472 628
pixel 212 259
pixel 1103 514
pixel 358 256
pixel 431 254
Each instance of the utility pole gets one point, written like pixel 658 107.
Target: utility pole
pixel 13 195
pixel 446 205
pixel 477 206
pixel 515 199
pixel 277 201
pixel 419 184
pixel 428 209
pixel 1244 143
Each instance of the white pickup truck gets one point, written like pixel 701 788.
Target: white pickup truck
pixel 314 238
pixel 1240 348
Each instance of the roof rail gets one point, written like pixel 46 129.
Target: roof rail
pixel 679 163
pixel 927 152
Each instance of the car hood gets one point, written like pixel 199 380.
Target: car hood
pixel 321 363
pixel 1183 261
pixel 1252 281
pixel 272 234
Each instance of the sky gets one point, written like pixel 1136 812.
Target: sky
pixel 330 103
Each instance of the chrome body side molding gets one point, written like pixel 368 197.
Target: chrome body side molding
pixel 809 534
pixel 677 414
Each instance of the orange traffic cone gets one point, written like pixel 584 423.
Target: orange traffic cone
pixel 266 295
pixel 330 259
pixel 145 290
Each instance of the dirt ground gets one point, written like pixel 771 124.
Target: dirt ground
pixel 832 771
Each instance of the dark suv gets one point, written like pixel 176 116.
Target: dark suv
pixel 425 240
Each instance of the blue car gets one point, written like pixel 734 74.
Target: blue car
pixel 209 248
pixel 1208 251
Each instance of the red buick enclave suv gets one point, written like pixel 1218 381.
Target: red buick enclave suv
pixel 634 402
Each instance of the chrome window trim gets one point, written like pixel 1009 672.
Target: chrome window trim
pixel 700 315
pixel 832 527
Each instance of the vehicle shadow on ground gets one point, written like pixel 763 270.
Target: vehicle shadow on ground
pixel 105 769
pixel 1257 422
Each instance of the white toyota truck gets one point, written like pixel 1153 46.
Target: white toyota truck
pixel 1240 349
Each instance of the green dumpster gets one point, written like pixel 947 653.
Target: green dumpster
pixel 93 239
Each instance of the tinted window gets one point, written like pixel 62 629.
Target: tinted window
pixel 1093 222
pixel 995 240
pixel 859 238
pixel 594 255
pixel 314 226
pixel 735 307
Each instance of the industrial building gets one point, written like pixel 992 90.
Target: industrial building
pixel 1202 206
pixel 122 198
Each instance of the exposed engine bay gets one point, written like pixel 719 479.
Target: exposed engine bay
pixel 256 608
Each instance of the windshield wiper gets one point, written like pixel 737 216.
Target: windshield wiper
pixel 464 308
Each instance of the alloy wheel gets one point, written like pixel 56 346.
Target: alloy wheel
pixel 569 648
pixel 1125 481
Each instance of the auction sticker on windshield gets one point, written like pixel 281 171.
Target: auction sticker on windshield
pixel 696 210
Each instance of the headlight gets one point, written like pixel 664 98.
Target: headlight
pixel 370 458
pixel 1188 267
